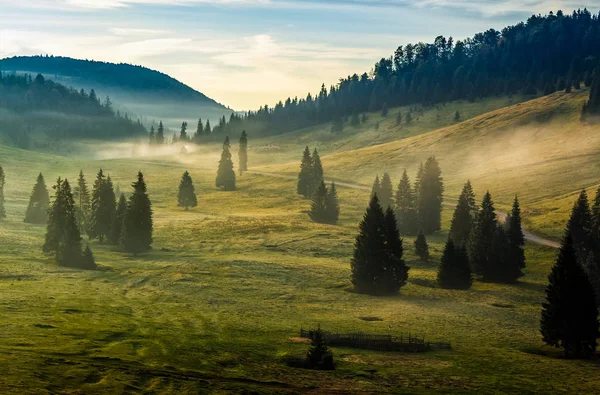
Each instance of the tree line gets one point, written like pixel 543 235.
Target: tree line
pixel 542 55
pixel 41 106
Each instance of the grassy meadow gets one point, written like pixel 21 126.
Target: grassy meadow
pixel 218 303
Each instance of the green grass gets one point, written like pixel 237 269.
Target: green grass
pixel 215 305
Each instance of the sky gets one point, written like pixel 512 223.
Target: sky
pixel 248 53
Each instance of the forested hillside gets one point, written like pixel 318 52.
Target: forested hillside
pixel 134 89
pixel 37 111
pixel 539 56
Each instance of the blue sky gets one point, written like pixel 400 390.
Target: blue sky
pixel 246 53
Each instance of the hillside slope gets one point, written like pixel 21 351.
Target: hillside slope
pixel 539 150
pixel 139 90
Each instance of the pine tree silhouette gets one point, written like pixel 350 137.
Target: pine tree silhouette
pixel 37 209
pixel 405 205
pixel 136 234
pixel 225 174
pixel 306 175
pixel 117 223
pixel 421 246
pixel 187 194
pixel 454 271
pixel 243 152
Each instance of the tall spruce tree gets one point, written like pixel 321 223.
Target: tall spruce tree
pixel 501 269
pixel 225 174
pixel 136 234
pixel 318 207
pixel 2 182
pixel 375 264
pixel 421 246
pixel 580 227
pixel 332 205
pixel 243 152
pixel 516 239
pixel 319 356
pixel 160 134
pixel 482 237
pixel 183 136
pixel 570 313
pixel 454 271
pixel 37 209
pixel 152 136
pixel 386 193
pixel 103 207
pixel 187 193
pixel 117 223
pixel 396 270
pixel 306 175
pixel 318 174
pixel 464 217
pixel 82 203
pixel 405 205
pixel 431 190
pixel 199 132
pixel 207 128
pixel 376 188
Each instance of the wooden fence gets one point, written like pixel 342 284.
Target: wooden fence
pixel 404 343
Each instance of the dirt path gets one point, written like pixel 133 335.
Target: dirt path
pixel 501 215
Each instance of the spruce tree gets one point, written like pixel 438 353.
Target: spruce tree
pixel 152 136
pixel 396 270
pixel 482 237
pixel 570 314
pixel 225 174
pixel 82 203
pixel 580 227
pixel 37 209
pixel 464 217
pixel 243 152
pixel 187 194
pixel 376 188
pixel 183 132
pixel 2 182
pixel 386 193
pixel 207 128
pixel 117 223
pixel 160 134
pixel 457 116
pixel 406 212
pixel 454 271
pixel 306 175
pixel 502 268
pixel 318 174
pixel 318 207
pixel 516 239
pixel 332 205
pixel 596 219
pixel 136 234
pixel 319 356
pixel 431 190
pixel 199 132
pixel 371 255
pixel 593 105
pixel 103 207
pixel 88 262
pixel 421 246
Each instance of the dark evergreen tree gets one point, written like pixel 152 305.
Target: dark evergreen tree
pixel 457 116
pixel 431 190
pixel 516 239
pixel 136 233
pixel 318 174
pixel 593 105
pixel 37 209
pixel 482 238
pixel 152 136
pixel 160 134
pixel 405 205
pixel 596 219
pixel 243 152
pixel 396 270
pixel 117 223
pixel 319 356
pixel 207 128
pixel 88 262
pixel 386 194
pixel 332 205
pixel 82 203
pixel 318 207
pixel 103 207
pixel 376 267
pixel 187 194
pixel 580 227
pixel 199 132
pixel 183 132
pixel 2 182
pixel 306 175
pixel 502 268
pixel 464 217
pixel 454 271
pixel 570 313
pixel 421 246
pixel 225 174
pixel 376 188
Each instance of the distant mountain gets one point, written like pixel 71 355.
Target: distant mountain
pixel 137 90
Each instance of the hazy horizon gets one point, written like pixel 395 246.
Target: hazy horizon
pixel 245 53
